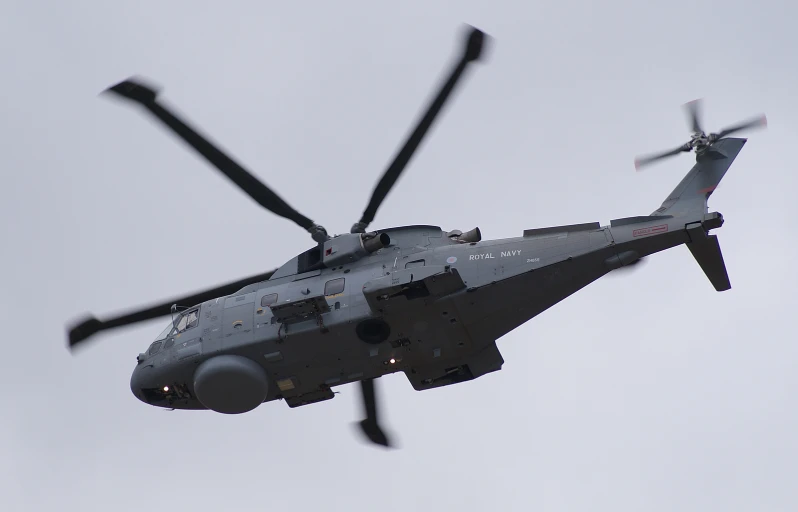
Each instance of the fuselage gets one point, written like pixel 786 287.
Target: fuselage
pixel 427 305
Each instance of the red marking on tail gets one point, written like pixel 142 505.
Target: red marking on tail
pixel 708 189
pixel 662 228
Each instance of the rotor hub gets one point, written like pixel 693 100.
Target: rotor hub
pixel 699 141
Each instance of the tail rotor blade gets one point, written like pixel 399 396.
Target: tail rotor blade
pixel 757 122
pixel 471 52
pixel 700 141
pixel 693 111
pixel 641 162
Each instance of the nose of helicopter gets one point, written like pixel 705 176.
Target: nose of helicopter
pixel 138 382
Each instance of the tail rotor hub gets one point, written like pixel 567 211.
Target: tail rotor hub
pixel 700 142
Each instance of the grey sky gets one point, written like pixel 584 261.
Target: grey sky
pixel 649 392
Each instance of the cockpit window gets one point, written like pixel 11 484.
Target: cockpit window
pixel 193 319
pixel 155 347
pixel 165 332
pixel 181 324
pixel 186 321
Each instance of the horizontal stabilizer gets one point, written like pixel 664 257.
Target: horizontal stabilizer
pixel 706 251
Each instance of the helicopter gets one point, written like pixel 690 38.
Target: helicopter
pixel 414 299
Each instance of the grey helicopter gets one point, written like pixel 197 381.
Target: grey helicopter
pixel 414 299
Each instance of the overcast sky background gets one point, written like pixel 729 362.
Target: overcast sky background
pixel 648 392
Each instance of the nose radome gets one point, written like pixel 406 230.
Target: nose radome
pixel 137 383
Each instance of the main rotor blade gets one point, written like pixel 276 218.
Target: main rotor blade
pixel 90 325
pixel 641 162
pixel 369 425
pixel 752 123
pixel 693 111
pixel 471 52
pixel 148 98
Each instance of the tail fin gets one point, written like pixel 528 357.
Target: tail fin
pixel 689 200
pixel 691 195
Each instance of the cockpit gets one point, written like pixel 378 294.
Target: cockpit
pixel 187 320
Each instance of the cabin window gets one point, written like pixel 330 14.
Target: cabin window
pixel 268 300
pixel 334 287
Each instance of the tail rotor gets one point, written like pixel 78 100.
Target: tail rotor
pixel 699 141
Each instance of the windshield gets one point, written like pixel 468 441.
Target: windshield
pixel 165 332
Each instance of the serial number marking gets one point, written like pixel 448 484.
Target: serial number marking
pixel 662 228
pixel 532 260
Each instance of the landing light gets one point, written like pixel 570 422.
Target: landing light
pixel 392 360
pixel 166 389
